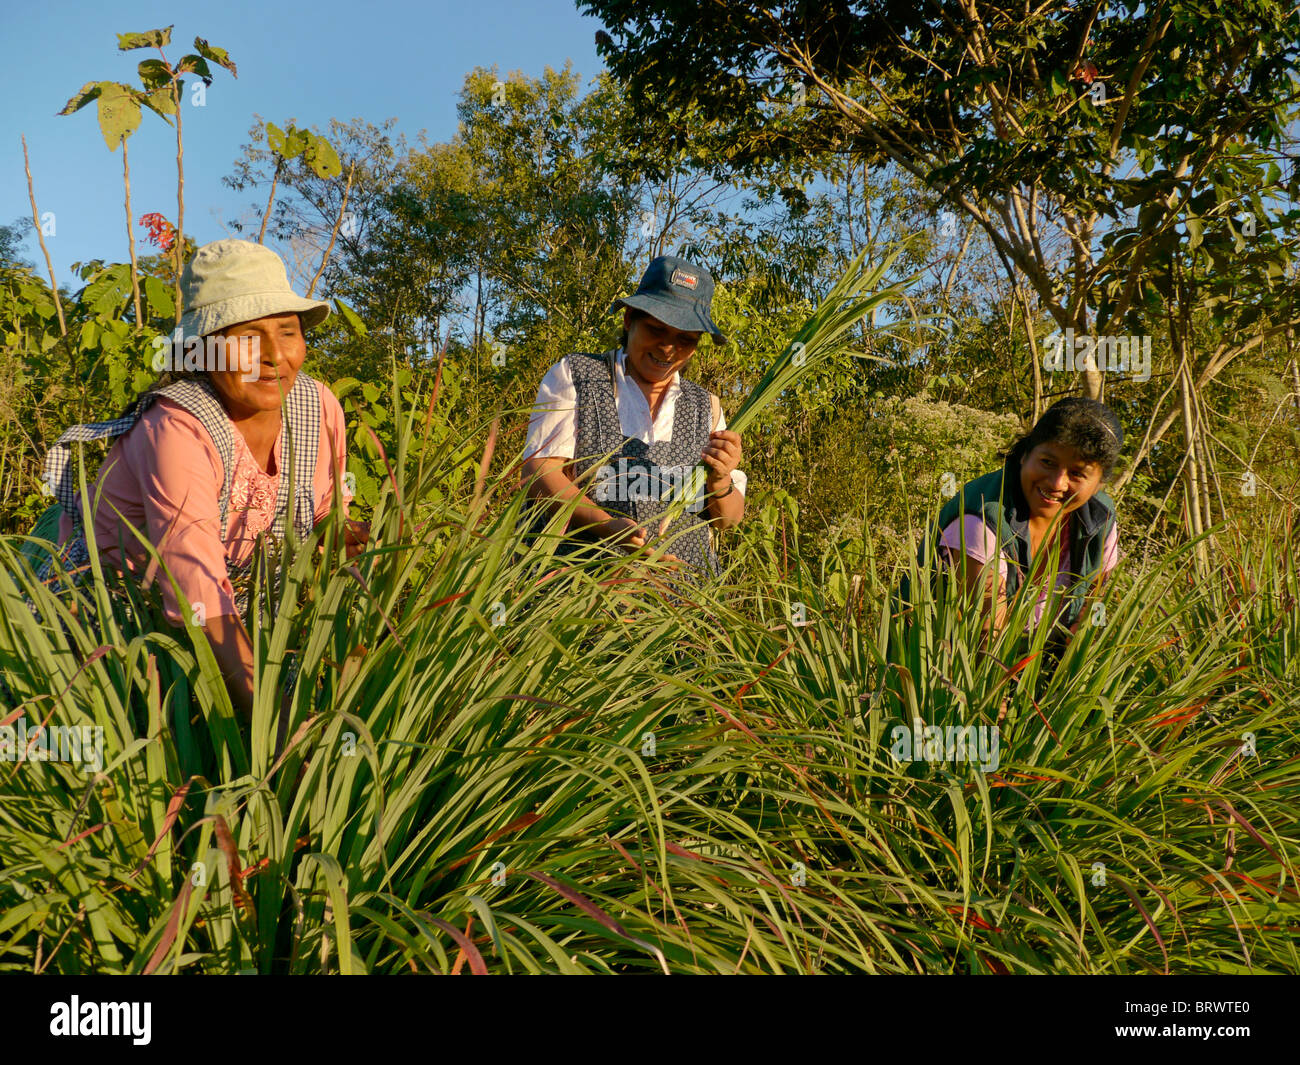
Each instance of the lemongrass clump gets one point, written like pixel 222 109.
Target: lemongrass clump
pixel 852 298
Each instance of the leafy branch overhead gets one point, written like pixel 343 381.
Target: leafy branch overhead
pixel 1093 145
pixel 160 91
pixel 120 104
pixel 119 108
pixel 315 150
pixel 294 143
pixel 190 64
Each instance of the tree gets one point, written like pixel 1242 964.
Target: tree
pixel 119 117
pixel 12 238
pixel 321 223
pixel 552 226
pixel 1085 141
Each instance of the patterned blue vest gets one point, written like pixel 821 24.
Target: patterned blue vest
pixel 645 468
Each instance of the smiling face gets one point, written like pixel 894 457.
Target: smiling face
pixel 656 351
pixel 1057 479
pixel 281 349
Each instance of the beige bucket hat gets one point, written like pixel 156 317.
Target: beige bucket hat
pixel 233 281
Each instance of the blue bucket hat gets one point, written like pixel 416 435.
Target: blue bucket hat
pixel 678 293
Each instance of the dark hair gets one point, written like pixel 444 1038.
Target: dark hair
pixel 1089 427
pixel 635 315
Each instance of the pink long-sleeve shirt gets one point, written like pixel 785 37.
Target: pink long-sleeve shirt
pixel 165 476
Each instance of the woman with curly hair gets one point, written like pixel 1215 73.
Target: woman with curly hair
pixel 1049 486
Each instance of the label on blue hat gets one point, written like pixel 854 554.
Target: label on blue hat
pixel 684 279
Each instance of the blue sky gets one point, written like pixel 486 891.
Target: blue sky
pixel 374 60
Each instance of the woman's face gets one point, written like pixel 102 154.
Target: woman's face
pixel 656 351
pixel 279 349
pixel 1057 479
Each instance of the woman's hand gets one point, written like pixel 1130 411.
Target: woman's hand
pixel 622 532
pixel 355 536
pixel 722 456
pixel 726 506
pixel 233 649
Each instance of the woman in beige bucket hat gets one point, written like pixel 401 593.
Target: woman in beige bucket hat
pixel 199 462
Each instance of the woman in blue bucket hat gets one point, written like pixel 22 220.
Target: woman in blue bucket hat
pixel 622 432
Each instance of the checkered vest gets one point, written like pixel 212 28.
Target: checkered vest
pixel 302 415
pixel 599 433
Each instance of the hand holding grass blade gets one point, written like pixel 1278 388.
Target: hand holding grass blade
pixel 855 295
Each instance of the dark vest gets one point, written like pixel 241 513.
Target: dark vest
pixel 601 442
pixel 998 499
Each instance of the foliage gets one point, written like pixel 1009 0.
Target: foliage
pixel 930 448
pixel 499 761
pixel 1089 146
pixel 500 764
pixel 315 151
pixel 49 382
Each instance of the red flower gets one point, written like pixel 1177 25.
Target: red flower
pixel 1085 72
pixel 162 234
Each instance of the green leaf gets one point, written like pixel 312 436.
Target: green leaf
pixel 127 42
pixel 89 336
pixel 160 101
pixel 343 387
pixel 1058 83
pixel 322 158
pixel 119 114
pixel 213 54
pixel 1194 229
pixel 159 296
pixel 195 64
pixel 154 73
pixel 288 144
pixel 351 319
pixel 88 92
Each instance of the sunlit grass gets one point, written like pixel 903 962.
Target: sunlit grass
pixel 499 762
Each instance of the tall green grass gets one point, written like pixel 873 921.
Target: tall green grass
pixel 498 761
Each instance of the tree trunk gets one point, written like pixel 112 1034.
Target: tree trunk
pixel 270 201
pixel 180 202
pixel 1092 372
pixel 343 210
pixel 1295 381
pixel 1193 473
pixel 130 237
pixel 40 236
